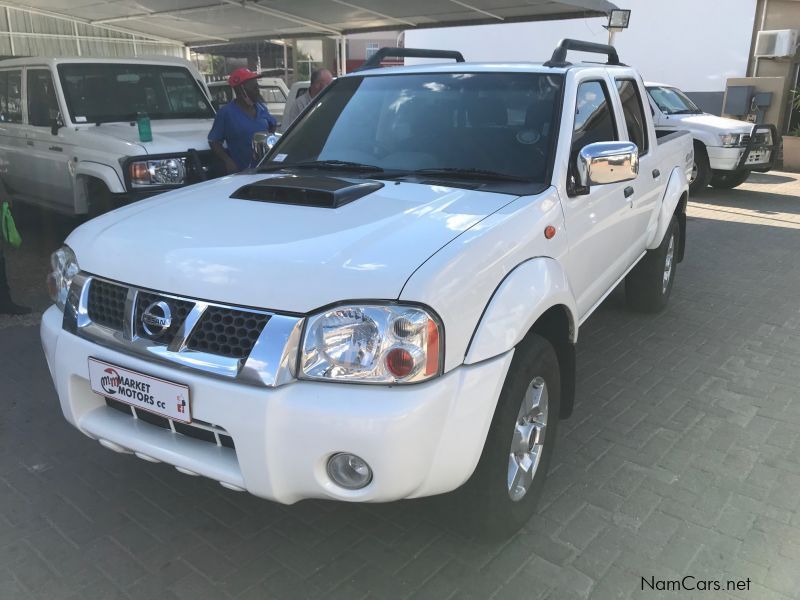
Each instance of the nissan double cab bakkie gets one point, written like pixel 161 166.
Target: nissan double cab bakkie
pixel 388 306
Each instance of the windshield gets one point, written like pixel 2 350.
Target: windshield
pixel 672 101
pixel 453 124
pixel 102 93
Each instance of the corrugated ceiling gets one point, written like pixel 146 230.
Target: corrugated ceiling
pixel 196 22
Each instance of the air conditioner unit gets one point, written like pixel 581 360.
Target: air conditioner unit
pixel 776 43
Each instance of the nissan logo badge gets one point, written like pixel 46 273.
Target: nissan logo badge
pixel 157 318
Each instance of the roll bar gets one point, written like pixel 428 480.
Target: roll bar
pixel 375 60
pixel 559 58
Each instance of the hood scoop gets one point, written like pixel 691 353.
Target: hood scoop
pixel 301 190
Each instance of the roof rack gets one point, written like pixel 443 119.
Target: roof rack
pixel 375 60
pixel 559 58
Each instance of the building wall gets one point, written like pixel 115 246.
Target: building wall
pixel 779 14
pixel 775 85
pixel 357 48
pixel 693 44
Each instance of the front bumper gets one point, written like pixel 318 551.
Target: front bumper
pixel 756 155
pixel 419 439
pixel 731 159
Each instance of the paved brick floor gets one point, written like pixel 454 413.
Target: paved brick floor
pixel 682 458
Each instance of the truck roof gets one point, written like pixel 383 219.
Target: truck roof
pixel 557 64
pixel 482 67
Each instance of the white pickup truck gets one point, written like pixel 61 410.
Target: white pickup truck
pixel 388 306
pixel 69 139
pixel 725 150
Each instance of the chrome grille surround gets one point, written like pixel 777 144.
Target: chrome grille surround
pixel 271 362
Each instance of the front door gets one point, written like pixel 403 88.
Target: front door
pixel 595 221
pixel 47 177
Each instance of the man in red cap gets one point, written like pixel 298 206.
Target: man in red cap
pixel 237 121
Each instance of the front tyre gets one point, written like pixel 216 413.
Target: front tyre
pixel 701 170
pixel 648 285
pixel 98 199
pixel 502 494
pixel 727 180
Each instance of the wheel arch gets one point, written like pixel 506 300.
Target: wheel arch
pixel 535 298
pixel 87 171
pixel 680 214
pixel 673 202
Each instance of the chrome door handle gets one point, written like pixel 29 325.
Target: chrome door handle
pixel 628 192
pixel 56 148
pixel 29 142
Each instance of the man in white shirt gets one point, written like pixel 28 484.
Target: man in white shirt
pixel 320 79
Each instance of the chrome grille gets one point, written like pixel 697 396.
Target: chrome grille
pixel 252 346
pixel 107 304
pixel 227 332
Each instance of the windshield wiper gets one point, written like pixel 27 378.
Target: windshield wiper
pixel 470 174
pixel 344 165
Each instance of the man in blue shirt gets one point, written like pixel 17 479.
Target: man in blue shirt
pixel 237 121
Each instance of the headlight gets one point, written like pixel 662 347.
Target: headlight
pixel 731 140
pixel 63 267
pixel 372 344
pixel 163 171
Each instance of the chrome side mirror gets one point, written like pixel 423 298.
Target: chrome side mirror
pixel 263 141
pixel 607 162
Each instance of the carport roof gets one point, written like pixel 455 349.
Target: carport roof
pixel 200 22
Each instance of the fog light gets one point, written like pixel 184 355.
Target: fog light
pixel 349 471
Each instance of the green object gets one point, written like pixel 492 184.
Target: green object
pixel 145 133
pixel 10 233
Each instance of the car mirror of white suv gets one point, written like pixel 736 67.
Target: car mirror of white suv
pixel 56 121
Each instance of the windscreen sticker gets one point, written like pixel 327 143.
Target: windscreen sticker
pixel 80 119
pixel 279 158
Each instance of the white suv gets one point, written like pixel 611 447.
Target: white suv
pixel 725 150
pixel 69 138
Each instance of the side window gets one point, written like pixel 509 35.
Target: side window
pixel 273 94
pixel 11 96
pixel 42 104
pixel 594 118
pixel 633 109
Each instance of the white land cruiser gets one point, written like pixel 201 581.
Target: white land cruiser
pixel 69 138
pixel 388 306
pixel 725 150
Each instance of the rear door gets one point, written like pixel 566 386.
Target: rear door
pixel 595 222
pixel 47 175
pixel 13 149
pixel 646 188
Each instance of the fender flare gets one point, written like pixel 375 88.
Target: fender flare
pixel 525 294
pixel 704 138
pixel 105 173
pixel 677 186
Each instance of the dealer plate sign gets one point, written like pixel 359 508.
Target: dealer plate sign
pixel 141 391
